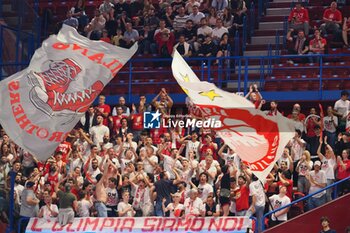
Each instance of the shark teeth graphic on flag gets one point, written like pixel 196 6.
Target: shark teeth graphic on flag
pixel 258 139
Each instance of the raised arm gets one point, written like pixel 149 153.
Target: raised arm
pixel 320 155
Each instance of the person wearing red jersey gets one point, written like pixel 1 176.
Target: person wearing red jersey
pixel 298 20
pixel 208 145
pixel 343 162
pixel 346 31
pixel 115 122
pixel 242 196
pixel 332 18
pixel 65 148
pixel 103 109
pixel 273 109
pixel 254 96
pixel 285 179
pixel 297 108
pixel 317 46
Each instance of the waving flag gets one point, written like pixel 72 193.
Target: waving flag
pixel 42 103
pixel 258 139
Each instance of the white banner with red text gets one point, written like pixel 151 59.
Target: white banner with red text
pixel 143 224
pixel 41 104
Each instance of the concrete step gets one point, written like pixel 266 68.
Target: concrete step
pixel 271 26
pixel 265 40
pixel 277 11
pixel 273 18
pixel 258 53
pixel 282 1
pixel 266 32
pixel 279 5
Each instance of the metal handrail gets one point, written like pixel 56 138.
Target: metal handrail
pixel 301 199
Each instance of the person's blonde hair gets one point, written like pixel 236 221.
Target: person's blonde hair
pixel 307 154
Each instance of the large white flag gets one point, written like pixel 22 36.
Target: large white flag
pixel 42 103
pixel 258 139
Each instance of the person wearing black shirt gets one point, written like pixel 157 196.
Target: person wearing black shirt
pixel 163 189
pixel 325 226
pixel 225 193
pixel 183 47
pixel 208 48
pixel 169 17
pixel 119 7
pixel 136 8
pixel 211 207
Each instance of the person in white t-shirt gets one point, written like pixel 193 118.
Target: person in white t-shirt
pixel 318 181
pixel 204 189
pixel 297 146
pixel 218 31
pixel 98 132
pixel 330 123
pixel 193 204
pixel 150 160
pixel 192 144
pixel 171 162
pixel 257 192
pixel 84 204
pixel 124 208
pixel 341 109
pixel 329 164
pixel 174 208
pixel 278 201
pixel 49 210
pixel 303 168
pixel 231 158
pixel 210 167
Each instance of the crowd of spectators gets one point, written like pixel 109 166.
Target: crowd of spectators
pixel 301 42
pixel 109 165
pixel 197 28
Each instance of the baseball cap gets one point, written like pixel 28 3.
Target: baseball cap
pixel 317 163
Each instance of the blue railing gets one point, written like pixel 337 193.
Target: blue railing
pixel 303 199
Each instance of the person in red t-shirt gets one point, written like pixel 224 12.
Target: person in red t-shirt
pixel 346 31
pixel 254 96
pixel 343 162
pixel 103 109
pixel 105 37
pixel 285 179
pixel 317 46
pixel 298 20
pixel 65 148
pixel 332 18
pixel 242 196
pixel 208 145
pixel 297 108
pixel 116 121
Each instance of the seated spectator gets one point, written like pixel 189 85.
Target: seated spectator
pixel 151 19
pixel 177 4
pixel 169 17
pixel 130 37
pixel 298 20
pixel 207 48
pixel 119 7
pixel 96 25
pixel 116 39
pixel 332 18
pixel 204 30
pixel 205 6
pixel 298 46
pixel 146 43
pixel 317 46
pixel 212 16
pixel 346 31
pixel 162 27
pixel 107 10
pixel 71 21
pixel 180 20
pixel 218 31
pixel 78 11
pixel 317 179
pixel 219 5
pixel 190 34
pixel 190 4
pixel 136 8
pixel 227 17
pixel 183 47
pixel 105 36
pixel 196 16
pixel 223 48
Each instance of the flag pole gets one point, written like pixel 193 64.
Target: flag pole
pixel 10 227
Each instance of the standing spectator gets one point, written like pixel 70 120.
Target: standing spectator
pixel 297 109
pixel 328 165
pixel 303 168
pixel 299 46
pixel 130 37
pixel 162 27
pixel 278 201
pixel 163 188
pixel 151 19
pixel 84 204
pixel 325 226
pixel 346 31
pixel 96 25
pixel 196 15
pixel 49 210
pixel 218 31
pixel 239 6
pixel 78 11
pixel 89 119
pixel 256 190
pixel 193 204
pixel 121 104
pixel 146 42
pixel 318 181
pixel 29 204
pixel 124 208
pixel 165 41
pixel 242 196
pixel 332 18
pixel 105 37
pixel 107 10
pixel 103 109
pixel 71 21
pixel 190 4
pixel 174 208
pixel 98 132
pixel 330 123
pixel 343 162
pixel 176 4
pixel 183 47
pixel 180 20
pixel 341 108
pixel 298 20
pixel 112 196
pixel 317 46
pixel 212 209
pixel 219 5
pixel 67 203
pixel 169 17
